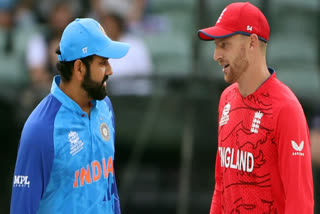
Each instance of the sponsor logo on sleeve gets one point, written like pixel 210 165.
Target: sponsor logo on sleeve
pixel 297 148
pixel 21 181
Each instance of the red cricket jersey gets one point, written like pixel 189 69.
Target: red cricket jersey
pixel 263 160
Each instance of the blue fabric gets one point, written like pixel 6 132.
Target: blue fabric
pixel 68 158
pixel 35 157
pixel 85 37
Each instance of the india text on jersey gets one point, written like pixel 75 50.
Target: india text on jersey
pixel 91 174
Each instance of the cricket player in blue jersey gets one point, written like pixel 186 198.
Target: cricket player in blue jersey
pixel 66 151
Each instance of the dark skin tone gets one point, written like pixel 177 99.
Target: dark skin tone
pixel 99 68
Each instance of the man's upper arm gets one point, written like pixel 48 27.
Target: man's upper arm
pixel 295 159
pixel 33 167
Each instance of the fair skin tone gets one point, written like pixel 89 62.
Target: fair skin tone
pixel 99 66
pixel 243 59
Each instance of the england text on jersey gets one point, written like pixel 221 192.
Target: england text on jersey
pixel 243 161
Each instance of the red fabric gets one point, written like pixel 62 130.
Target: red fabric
pixel 238 17
pixel 263 160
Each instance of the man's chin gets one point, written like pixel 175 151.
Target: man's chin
pixel 227 79
pixel 101 97
pixel 98 96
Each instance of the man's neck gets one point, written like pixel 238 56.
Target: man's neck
pixel 77 94
pixel 253 79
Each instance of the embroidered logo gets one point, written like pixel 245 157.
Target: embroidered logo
pixel 298 148
pixel 256 122
pixel 225 115
pixel 76 145
pixel 105 132
pixel 222 13
pixel 85 50
pixel 249 28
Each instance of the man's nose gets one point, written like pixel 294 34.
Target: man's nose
pixel 217 55
pixel 109 71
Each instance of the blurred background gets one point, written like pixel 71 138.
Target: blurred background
pixel 165 92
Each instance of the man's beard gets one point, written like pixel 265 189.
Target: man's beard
pixel 94 89
pixel 238 67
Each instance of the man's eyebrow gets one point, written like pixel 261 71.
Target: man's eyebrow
pixel 220 40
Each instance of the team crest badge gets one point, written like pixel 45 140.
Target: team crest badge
pixel 256 122
pixel 104 130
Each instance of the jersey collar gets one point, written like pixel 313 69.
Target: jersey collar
pixel 265 83
pixel 63 98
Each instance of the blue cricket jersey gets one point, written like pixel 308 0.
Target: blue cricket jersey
pixel 65 159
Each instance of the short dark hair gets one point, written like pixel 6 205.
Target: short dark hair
pixel 65 67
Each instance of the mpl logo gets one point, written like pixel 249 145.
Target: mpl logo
pixel 21 181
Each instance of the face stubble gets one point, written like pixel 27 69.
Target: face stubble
pixel 238 67
pixel 95 90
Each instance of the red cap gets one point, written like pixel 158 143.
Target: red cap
pixel 238 18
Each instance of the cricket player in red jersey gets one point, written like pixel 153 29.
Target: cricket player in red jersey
pixel 263 160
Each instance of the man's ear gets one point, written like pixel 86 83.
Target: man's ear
pixel 254 41
pixel 79 70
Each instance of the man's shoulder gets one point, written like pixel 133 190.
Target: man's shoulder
pixel 46 109
pixel 105 105
pixel 283 98
pixel 282 94
pixel 42 118
pixel 230 89
pixel 106 101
